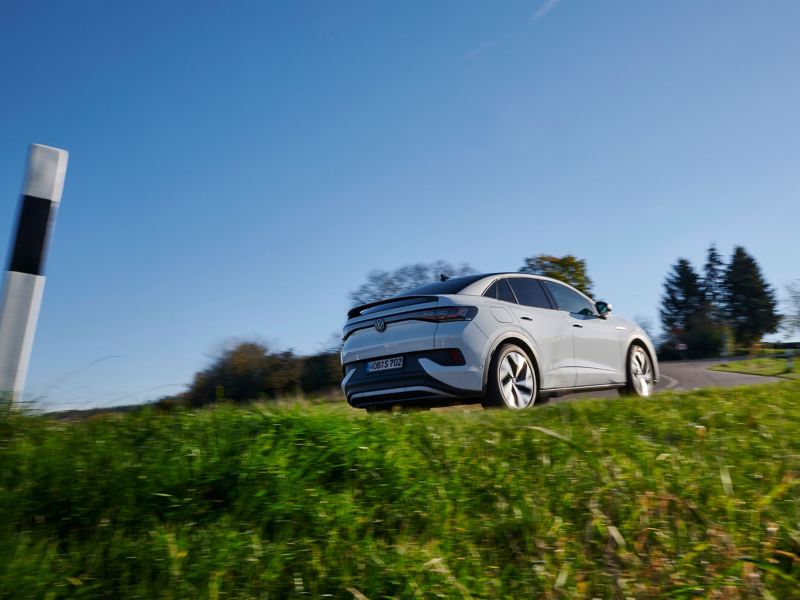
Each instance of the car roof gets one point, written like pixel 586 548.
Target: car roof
pixel 477 287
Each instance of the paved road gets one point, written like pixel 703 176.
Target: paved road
pixel 687 375
pixel 675 375
pixel 691 374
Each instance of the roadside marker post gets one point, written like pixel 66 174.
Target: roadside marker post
pixel 24 281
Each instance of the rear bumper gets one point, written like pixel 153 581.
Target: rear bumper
pixel 412 384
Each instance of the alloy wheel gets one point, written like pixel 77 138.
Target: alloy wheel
pixel 641 372
pixel 517 380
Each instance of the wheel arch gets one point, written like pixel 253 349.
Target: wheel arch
pixel 647 346
pixel 512 337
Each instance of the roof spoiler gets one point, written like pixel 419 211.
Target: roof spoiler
pixel 357 311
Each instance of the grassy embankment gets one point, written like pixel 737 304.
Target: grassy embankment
pixel 775 367
pixel 682 495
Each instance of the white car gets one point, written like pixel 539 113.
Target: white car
pixel 502 339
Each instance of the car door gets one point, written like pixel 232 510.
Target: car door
pixel 596 341
pixel 548 329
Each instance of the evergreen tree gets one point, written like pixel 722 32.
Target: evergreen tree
pixel 750 303
pixel 683 297
pixel 685 315
pixel 713 279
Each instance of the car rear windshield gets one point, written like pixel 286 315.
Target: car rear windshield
pixel 452 286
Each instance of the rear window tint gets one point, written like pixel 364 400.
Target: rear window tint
pixel 529 292
pixel 451 286
pixel 504 292
pixel 500 290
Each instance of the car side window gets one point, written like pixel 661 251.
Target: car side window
pixel 504 292
pixel 492 291
pixel 500 290
pixel 569 300
pixel 529 292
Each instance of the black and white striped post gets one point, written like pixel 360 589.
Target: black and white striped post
pixel 24 283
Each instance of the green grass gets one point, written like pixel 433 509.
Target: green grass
pixel 680 496
pixel 775 367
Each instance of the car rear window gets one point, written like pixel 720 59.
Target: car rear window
pixel 529 292
pixel 504 292
pixel 500 290
pixel 452 286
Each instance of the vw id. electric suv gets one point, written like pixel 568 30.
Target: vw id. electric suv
pixel 502 339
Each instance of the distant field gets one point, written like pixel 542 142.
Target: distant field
pixel 762 366
pixel 677 496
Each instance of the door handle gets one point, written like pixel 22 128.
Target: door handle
pixel 526 318
pixel 578 326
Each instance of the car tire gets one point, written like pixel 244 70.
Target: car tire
pixel 638 373
pixel 512 380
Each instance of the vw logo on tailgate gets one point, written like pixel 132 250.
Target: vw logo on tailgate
pixel 380 325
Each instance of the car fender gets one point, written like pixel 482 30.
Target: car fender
pixel 641 337
pixel 495 343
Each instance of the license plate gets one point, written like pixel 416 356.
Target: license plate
pixel 385 364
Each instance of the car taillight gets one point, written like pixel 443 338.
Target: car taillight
pixel 444 314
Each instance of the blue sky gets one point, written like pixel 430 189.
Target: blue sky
pixel 236 169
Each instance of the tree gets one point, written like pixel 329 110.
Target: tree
pixel 702 336
pixel 385 284
pixel 713 279
pixel 792 319
pixel 683 297
pixel 321 372
pixel 244 372
pixel 570 270
pixel 685 315
pixel 750 304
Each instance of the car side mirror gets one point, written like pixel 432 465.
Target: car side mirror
pixel 602 308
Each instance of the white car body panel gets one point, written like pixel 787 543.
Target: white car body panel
pixel 472 341
pixel 599 356
pixel 548 331
pixel 398 338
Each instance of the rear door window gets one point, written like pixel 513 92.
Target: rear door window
pixel 500 290
pixel 569 300
pixel 504 292
pixel 492 291
pixel 529 292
